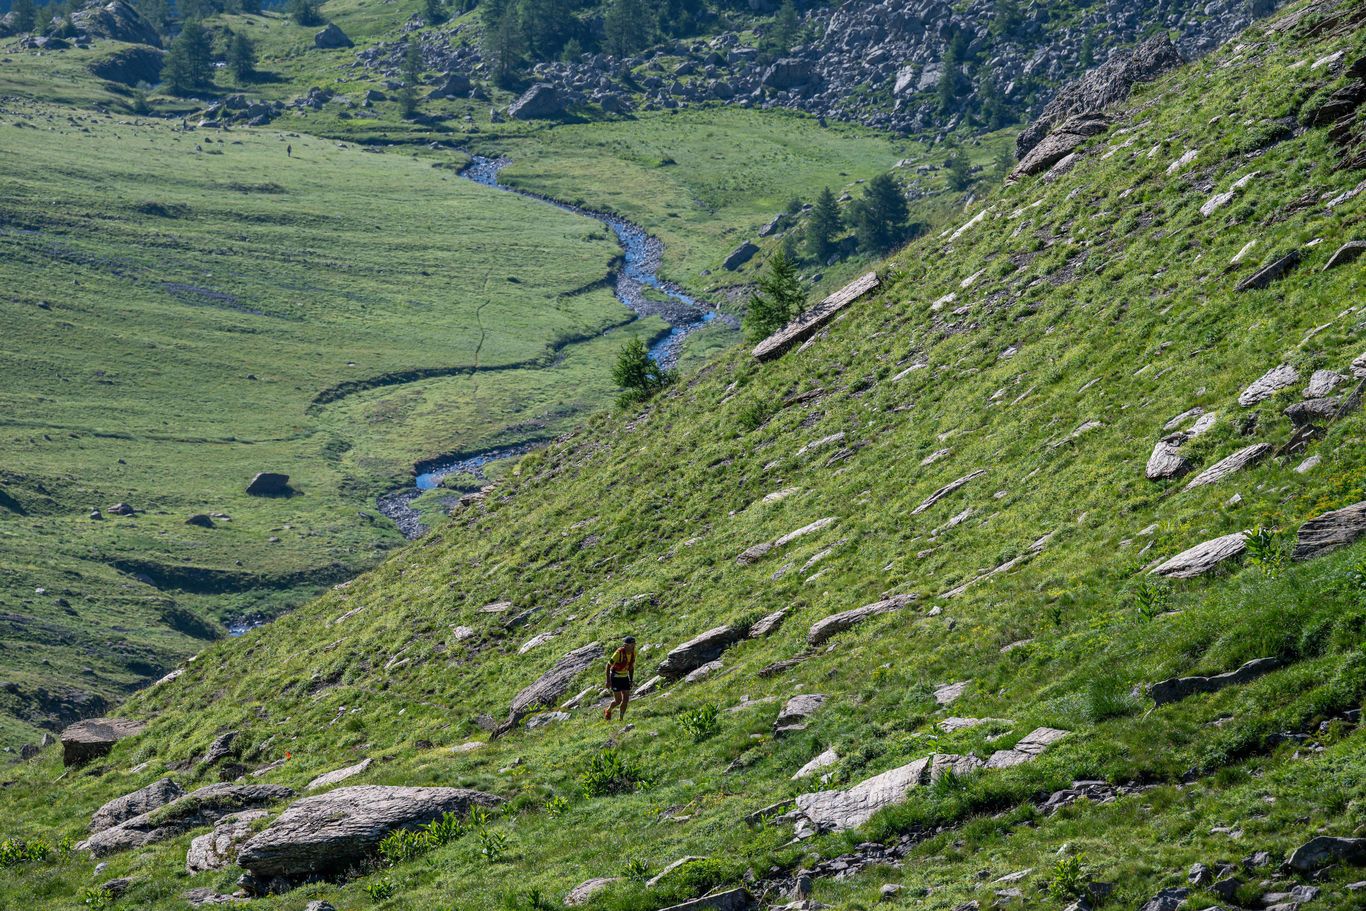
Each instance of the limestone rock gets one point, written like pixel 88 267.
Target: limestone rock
pixel 269 484
pixel 553 684
pixel 788 73
pixel 847 809
pixel 1323 850
pixel 822 761
pixel 1178 688
pixel 337 777
pixel 333 831
pixel 740 255
pixel 950 692
pixel 1330 531
pixel 1060 143
pixel 796 711
pixel 946 490
pixel 581 893
pixel 1322 382
pixel 1230 464
pixel 822 630
pixel 1166 461
pixel 1312 412
pixel 806 325
pixel 698 651
pixel 198 808
pixel 1270 273
pixel 734 900
pixel 456 85
pixel 539 102
pixel 1203 557
pixel 1345 254
pixel 216 850
pixel 1101 87
pixel 143 800
pixel 942 764
pixel 766 625
pixel 95 737
pixel 331 38
pixel 1271 382
pixel 1028 749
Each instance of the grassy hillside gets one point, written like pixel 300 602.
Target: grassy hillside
pixel 1046 341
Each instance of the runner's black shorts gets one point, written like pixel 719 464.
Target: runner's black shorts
pixel 621 684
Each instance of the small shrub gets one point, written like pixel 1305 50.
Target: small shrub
pixel 1150 599
pixel 1355 579
pixel 556 806
pixel 493 844
pixel 1266 551
pixel 756 414
pixel 15 852
pixel 701 723
pixel 636 870
pixel 404 845
pixel 380 889
pixel 530 900
pixel 1068 880
pixel 98 898
pixel 609 772
pixel 1108 697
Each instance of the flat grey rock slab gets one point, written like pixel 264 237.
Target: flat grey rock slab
pixel 1166 460
pixel 1203 557
pixel 552 686
pixel 805 325
pixel 218 848
pixel 143 800
pixel 822 761
pixel 796 711
pixel 699 650
pixel 1248 455
pixel 1030 748
pixel 1323 850
pixel 1330 531
pixel 1178 688
pixel 947 489
pixel 733 900
pixel 852 807
pixel 823 630
pixel 202 807
pixel 580 894
pixel 1268 384
pixel 331 832
pixel 95 737
pixel 337 777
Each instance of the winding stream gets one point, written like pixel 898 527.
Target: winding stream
pixel 632 282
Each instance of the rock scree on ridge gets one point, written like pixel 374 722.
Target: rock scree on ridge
pixel 328 833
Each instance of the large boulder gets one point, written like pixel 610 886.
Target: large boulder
pixel 1323 850
pixel 740 255
pixel 732 900
pixel 852 807
pixel 331 38
pixel 198 808
pixel 95 737
pixel 1230 464
pixel 144 800
pixel 789 73
pixel 216 850
pixel 699 650
pixel 1108 83
pixel 131 65
pixel 1166 462
pixel 1330 531
pixel 269 484
pixel 1178 688
pixel 540 102
pixel 1060 143
pixel 1268 384
pixel 822 630
pixel 327 834
pixel 115 20
pixel 551 686
pixel 1203 557
pixel 456 85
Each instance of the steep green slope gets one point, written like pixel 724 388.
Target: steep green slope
pixel 1046 341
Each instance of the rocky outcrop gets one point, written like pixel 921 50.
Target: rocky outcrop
pixel 325 835
pixel 580 894
pixel 116 20
pixel 796 711
pixel 1230 464
pixel 1270 272
pixel 143 800
pixel 850 808
pixel 269 484
pixel 331 38
pixel 540 102
pixel 1057 145
pixel 198 808
pixel 95 737
pixel 804 326
pixel 1178 688
pixel 947 489
pixel 1323 850
pixel 823 630
pixel 1103 86
pixel 739 256
pixel 337 777
pixel 758 551
pixel 699 651
pixel 218 848
pixel 1330 531
pixel 732 900
pixel 131 66
pixel 823 760
pixel 1268 384
pixel 1345 254
pixel 547 691
pixel 1030 747
pixel 1166 461
pixel 455 85
pixel 1203 557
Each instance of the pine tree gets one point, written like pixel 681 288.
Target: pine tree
pixel 777 301
pixel 547 24
pixel 503 42
pixel 1087 55
pixel 189 65
pixel 433 12
pixel 626 27
pixel 782 35
pixel 637 374
pixel 823 226
pixel 410 73
pixel 25 16
pixel 305 12
pixel 951 79
pixel 241 56
pixel 879 217
pixel 959 170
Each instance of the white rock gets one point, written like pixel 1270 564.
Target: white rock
pixel 1271 382
pixel 824 760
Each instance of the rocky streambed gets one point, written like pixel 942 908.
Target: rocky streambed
pixel 637 285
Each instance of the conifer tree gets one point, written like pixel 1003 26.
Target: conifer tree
pixel 879 217
pixel 189 65
pixel 637 374
pixel 410 73
pixel 25 17
pixel 241 54
pixel 823 226
pixel 777 301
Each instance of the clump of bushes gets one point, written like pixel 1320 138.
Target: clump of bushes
pixel 701 723
pixel 611 772
pixel 404 845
